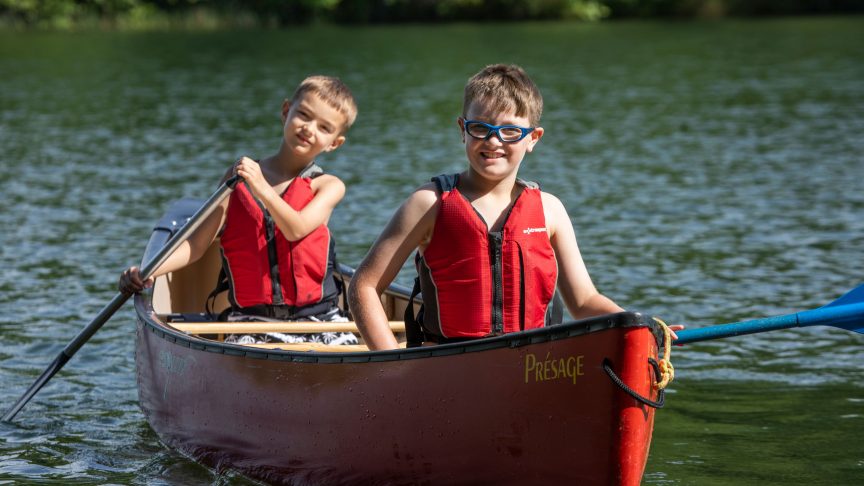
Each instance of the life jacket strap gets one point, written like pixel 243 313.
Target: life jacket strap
pixel 414 334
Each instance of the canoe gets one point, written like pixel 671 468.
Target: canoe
pixel 544 406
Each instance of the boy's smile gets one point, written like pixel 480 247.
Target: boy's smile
pixel 492 156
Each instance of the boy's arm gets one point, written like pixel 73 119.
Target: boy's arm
pixel 188 252
pixel 407 229
pixel 199 241
pixel 577 290
pixel 295 225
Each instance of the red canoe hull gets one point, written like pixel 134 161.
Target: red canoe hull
pixel 534 407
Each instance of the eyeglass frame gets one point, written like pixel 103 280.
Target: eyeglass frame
pixel 496 130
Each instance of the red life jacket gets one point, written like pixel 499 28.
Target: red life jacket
pixel 262 266
pixel 478 283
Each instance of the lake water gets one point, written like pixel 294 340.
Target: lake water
pixel 713 172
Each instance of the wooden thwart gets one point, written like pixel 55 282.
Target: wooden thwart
pixel 320 347
pixel 283 327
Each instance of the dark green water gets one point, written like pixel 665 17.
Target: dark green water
pixel 713 172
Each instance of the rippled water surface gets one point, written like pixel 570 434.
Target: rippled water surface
pixel 713 172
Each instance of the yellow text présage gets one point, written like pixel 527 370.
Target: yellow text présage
pixel 550 368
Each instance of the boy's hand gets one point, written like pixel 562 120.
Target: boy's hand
pixel 676 327
pixel 131 282
pixel 250 171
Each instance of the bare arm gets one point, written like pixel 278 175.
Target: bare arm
pixel 577 289
pixel 408 228
pixel 188 252
pixel 295 225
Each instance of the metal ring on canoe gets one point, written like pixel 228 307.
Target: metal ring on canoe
pixel 661 395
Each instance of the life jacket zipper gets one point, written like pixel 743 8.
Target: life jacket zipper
pixel 273 257
pixel 495 244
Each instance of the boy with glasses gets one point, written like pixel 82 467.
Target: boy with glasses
pixel 491 247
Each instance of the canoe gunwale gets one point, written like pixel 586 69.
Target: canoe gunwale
pixel 153 324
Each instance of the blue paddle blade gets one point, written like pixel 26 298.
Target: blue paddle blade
pixel 848 316
pixel 852 299
pixel 854 296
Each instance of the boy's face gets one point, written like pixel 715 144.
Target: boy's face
pixel 312 126
pixel 492 158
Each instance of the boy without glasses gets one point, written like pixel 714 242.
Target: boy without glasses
pixel 277 251
pixel 491 247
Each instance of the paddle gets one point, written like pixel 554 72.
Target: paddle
pixel 119 299
pixel 847 312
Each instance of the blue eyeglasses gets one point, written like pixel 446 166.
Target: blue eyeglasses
pixel 505 133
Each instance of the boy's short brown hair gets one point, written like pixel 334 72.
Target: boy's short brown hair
pixel 334 92
pixel 505 88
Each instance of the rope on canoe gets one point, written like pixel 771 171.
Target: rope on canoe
pixel 663 370
pixel 667 371
pixel 661 394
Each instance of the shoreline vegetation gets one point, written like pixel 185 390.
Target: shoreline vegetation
pixel 65 15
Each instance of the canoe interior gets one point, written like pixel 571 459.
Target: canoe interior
pixel 186 290
pixel 180 296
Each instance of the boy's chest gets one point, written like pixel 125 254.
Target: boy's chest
pixel 280 186
pixel 493 213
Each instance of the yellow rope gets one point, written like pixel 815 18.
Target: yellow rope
pixel 667 371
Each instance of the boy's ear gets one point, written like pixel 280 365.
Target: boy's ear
pixel 337 142
pixel 286 106
pixel 534 137
pixel 461 122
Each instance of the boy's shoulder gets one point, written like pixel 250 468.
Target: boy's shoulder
pixel 550 199
pixel 322 180
pixel 427 194
pixel 554 211
pixel 423 200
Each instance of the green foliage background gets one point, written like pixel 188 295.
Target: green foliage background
pixel 61 14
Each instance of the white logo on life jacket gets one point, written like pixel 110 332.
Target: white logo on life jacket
pixel 528 231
